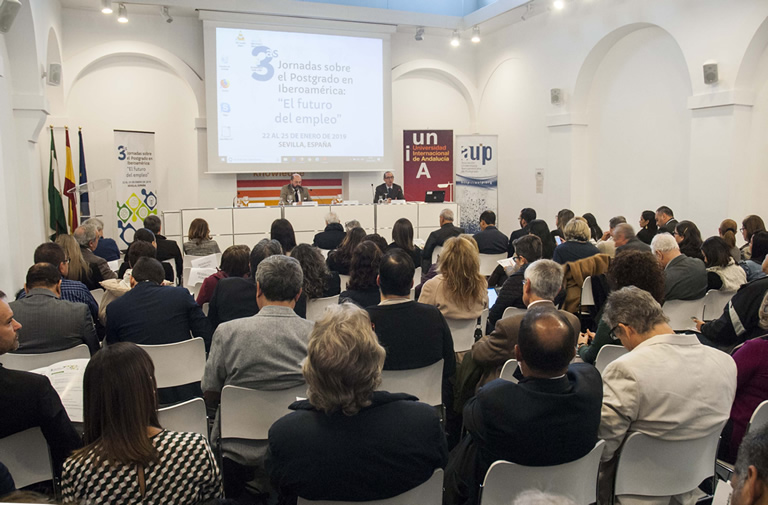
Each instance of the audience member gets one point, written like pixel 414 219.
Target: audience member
pixel 88 239
pixel 128 457
pixel 234 263
pixel 688 238
pixel 282 231
pixel 28 400
pixel 750 474
pixel 319 282
pixel 722 272
pixel 332 235
pixel 377 239
pixel 727 232
pixel 354 223
pixel 339 259
pixel 543 281
pixel 264 351
pixel 665 220
pixel 146 236
pixel 389 190
pixel 758 247
pixel 684 278
pixel 606 244
pixel 347 441
pixel 631 268
pixel 78 270
pixel 663 386
pixel 576 245
pixel 49 323
pixel 425 338
pixel 489 239
pixel 362 288
pixel 294 192
pixel 200 242
pixel 458 291
pixel 115 288
pixel 527 215
pixel 561 219
pixel 166 249
pixel 539 228
pixel 648 227
pixel 527 250
pixel 625 240
pixel 549 418
pixel 595 232
pixel 402 238
pixel 438 237
pixel 107 247
pixel 749 226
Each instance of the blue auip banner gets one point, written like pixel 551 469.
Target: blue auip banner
pixel 477 177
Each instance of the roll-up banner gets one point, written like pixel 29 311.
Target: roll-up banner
pixel 476 178
pixel 427 162
pixel 135 182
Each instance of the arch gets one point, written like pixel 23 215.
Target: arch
pixel 447 72
pixel 23 57
pixel 751 60
pixel 81 64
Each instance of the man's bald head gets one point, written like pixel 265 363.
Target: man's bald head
pixel 546 342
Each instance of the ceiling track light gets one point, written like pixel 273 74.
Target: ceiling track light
pixel 166 14
pixel 106 6
pixel 455 38
pixel 558 4
pixel 420 34
pixel 476 34
pixel 122 13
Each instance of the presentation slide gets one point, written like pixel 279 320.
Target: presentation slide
pixel 293 101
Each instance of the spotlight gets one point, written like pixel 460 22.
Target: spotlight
pixel 476 34
pixel 106 6
pixel 558 4
pixel 455 38
pixel 166 14
pixel 122 14
pixel 420 34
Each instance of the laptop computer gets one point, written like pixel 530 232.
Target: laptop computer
pixel 434 196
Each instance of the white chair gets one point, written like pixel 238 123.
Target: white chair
pixel 27 457
pixel 172 262
pixel 508 371
pixel 608 353
pixel 428 493
pixel 714 303
pixel 587 298
pixel 324 252
pixel 187 416
pixel 417 276
pixel 26 362
pixel 680 312
pixel 759 417
pixel 483 320
pixel 488 262
pixel 577 480
pixel 463 333
pixel 512 311
pixel 436 253
pixel 206 307
pixel 651 467
pixel 97 295
pixel 249 413
pixel 343 280
pixel 178 363
pixel 412 294
pixel 424 383
pixel 188 259
pixel 316 306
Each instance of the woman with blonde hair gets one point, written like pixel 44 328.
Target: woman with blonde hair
pixel 200 242
pixel 324 449
pixel 79 270
pixel 459 291
pixel 576 245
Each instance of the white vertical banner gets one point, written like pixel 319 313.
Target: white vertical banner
pixel 135 182
pixel 477 175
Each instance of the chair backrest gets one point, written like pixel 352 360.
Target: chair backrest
pixel 488 262
pixel 316 306
pixel 484 319
pixel 412 294
pixel 508 371
pixel 206 307
pixel 587 298
pixel 417 276
pixel 324 252
pixel 26 362
pixel 680 312
pixel 178 363
pixel 428 493
pixel 187 416
pixel 463 333
pixel 343 280
pixel 27 457
pixel 608 353
pixel 249 413
pixel 97 295
pixel 436 252
pixel 172 262
pixel 714 303
pixel 513 311
pixel 759 417
pixel 649 466
pixel 577 480
pixel 424 383
pixel 188 259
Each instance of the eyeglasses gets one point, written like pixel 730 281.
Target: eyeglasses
pixel 515 258
pixel 67 260
pixel 612 333
pixel 390 177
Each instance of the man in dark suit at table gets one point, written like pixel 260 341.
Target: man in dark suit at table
pixel 166 249
pixel 438 237
pixel 293 192
pixel 489 239
pixel 389 190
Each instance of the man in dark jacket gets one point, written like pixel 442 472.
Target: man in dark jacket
pixel 438 237
pixel 489 239
pixel 331 237
pixel 166 249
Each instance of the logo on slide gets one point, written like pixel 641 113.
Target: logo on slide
pixel 240 37
pixel 225 107
pixel 224 83
pixel 263 70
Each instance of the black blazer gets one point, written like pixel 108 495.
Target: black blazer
pixel 491 241
pixel 396 193
pixel 235 297
pixel 331 237
pixel 436 238
pixel 169 249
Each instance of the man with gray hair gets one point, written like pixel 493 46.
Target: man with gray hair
pixel 107 247
pixel 750 475
pixel 684 278
pixel 438 237
pixel 625 240
pixel 607 244
pixel 264 351
pixel 664 386
pixel 331 237
pixel 87 237
pixel 543 281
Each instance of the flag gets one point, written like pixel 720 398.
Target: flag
pixel 58 220
pixel 85 208
pixel 69 185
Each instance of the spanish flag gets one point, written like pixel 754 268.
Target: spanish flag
pixel 69 186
